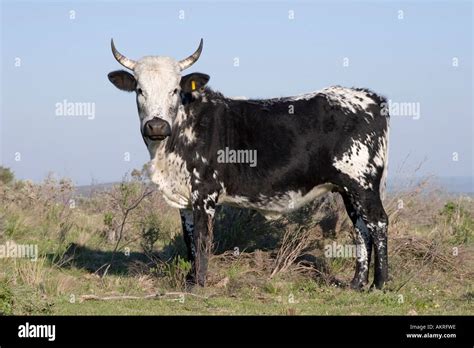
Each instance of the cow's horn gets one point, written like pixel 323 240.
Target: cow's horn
pixel 128 63
pixel 186 63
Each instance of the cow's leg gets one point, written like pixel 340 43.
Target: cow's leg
pixel 363 241
pixel 376 220
pixel 187 222
pixel 370 206
pixel 204 205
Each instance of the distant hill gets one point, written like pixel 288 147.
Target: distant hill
pixel 454 184
pixel 459 184
pixel 86 190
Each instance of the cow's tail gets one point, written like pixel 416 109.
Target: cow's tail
pixel 383 179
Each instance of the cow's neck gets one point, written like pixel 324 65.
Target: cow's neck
pixel 168 170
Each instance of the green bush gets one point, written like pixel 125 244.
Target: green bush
pixel 6 175
pixel 22 300
pixel 149 236
pixel 6 299
pixel 175 272
pixel 460 221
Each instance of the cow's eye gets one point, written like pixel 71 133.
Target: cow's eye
pixel 139 91
pixel 175 91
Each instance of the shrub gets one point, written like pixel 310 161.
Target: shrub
pixel 6 299
pixel 174 271
pixel 150 235
pixel 6 175
pixel 459 220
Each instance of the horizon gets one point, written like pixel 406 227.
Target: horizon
pixel 451 184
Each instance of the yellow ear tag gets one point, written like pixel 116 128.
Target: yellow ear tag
pixel 193 85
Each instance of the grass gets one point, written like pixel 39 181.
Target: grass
pixel 95 247
pixel 320 301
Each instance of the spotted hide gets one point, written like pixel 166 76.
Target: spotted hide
pixel 272 155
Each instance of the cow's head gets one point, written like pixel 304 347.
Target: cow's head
pixel 160 89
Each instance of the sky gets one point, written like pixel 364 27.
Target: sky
pixel 418 54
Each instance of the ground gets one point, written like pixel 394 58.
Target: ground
pixel 119 251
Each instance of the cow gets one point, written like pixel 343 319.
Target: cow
pixel 332 140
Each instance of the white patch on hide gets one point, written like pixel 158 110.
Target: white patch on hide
pixel 350 99
pixel 355 163
pixel 208 209
pixel 173 179
pixel 189 135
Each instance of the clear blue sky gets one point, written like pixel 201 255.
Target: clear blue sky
pixel 407 60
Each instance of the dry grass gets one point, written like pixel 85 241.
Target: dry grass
pixel 292 246
pixel 430 249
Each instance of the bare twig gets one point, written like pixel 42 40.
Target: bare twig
pixel 125 213
pixel 131 297
pixel 294 242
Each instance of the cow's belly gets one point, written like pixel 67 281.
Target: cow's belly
pixel 174 184
pixel 272 207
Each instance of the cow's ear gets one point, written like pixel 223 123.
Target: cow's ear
pixel 192 82
pixel 123 80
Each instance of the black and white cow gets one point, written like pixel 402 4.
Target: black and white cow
pixel 334 140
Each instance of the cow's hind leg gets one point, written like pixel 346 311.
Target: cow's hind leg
pixel 376 220
pixel 363 242
pixel 369 206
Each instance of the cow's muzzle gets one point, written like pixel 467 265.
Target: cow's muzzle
pixel 157 129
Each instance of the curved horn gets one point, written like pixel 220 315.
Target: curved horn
pixel 186 63
pixel 128 63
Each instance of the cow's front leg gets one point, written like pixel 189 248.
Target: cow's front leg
pixel 204 205
pixel 187 222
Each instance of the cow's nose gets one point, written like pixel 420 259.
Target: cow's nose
pixel 157 129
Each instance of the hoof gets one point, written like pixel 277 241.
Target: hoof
pixel 191 281
pixel 358 284
pixel 377 285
